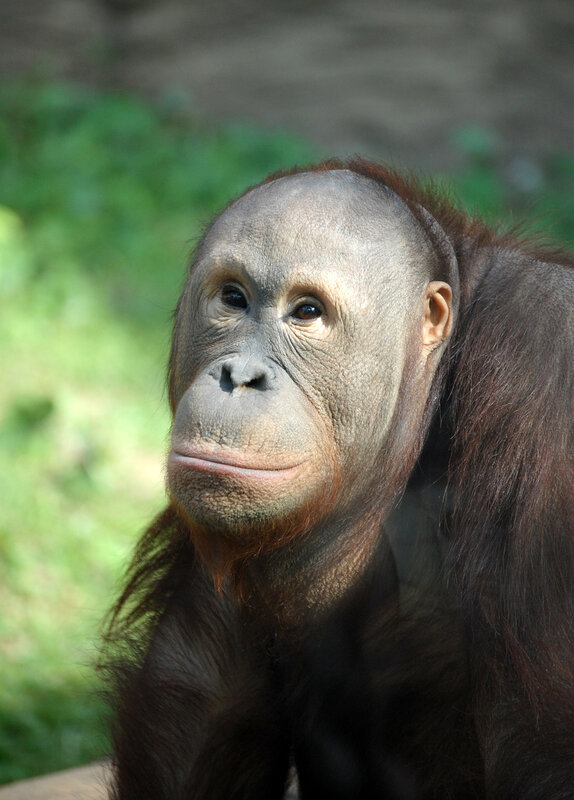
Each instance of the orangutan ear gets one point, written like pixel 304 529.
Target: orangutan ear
pixel 437 323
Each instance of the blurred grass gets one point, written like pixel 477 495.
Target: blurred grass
pixel 100 199
pixel 101 196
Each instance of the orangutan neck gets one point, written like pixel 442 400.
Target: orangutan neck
pixel 299 582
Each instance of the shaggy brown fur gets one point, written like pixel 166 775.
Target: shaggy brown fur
pixel 466 691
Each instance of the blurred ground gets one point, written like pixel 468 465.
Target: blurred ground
pixel 87 783
pixel 392 79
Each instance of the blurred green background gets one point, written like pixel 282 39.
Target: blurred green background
pixel 101 199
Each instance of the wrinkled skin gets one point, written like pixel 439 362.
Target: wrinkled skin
pixel 304 289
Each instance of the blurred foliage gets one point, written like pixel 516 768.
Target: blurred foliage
pixel 101 196
pixel 536 195
pixel 106 182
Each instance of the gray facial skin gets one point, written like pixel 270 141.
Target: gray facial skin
pixel 309 298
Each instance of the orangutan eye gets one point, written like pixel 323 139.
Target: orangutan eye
pixel 307 312
pixel 233 297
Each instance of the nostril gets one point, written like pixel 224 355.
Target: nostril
pixel 239 373
pixel 257 382
pixel 225 382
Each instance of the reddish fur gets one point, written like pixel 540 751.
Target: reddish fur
pixel 227 557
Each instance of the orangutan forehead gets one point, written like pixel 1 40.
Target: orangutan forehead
pixel 337 215
pixel 341 193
